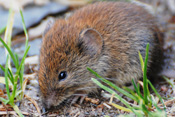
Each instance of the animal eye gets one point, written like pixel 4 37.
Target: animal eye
pixel 62 76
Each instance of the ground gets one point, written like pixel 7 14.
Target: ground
pixel 99 106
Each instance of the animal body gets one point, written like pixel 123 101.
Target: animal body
pixel 105 37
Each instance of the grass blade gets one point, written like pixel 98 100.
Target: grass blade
pixel 18 72
pixel 141 61
pixel 132 93
pixel 17 59
pixel 10 52
pixel 18 92
pixel 137 89
pixel 113 92
pixel 10 75
pixel 2 30
pixel 6 78
pixel 169 81
pixel 145 83
pixel 112 85
pixel 26 47
pixel 4 100
pixel 144 109
pixel 154 103
pixel 25 30
pixel 17 111
pixel 157 94
pixel 21 76
pixel 121 107
pixel 23 59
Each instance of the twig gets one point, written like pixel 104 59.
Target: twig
pixel 166 103
pixel 34 103
pixel 12 113
pixel 77 114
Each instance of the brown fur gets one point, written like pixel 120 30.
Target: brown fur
pixel 122 29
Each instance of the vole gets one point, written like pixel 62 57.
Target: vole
pixel 104 36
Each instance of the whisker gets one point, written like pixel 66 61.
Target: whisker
pixel 89 80
pixel 79 95
pixel 94 93
pixel 87 91
pixel 86 88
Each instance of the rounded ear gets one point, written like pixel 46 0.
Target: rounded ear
pixel 91 41
pixel 50 23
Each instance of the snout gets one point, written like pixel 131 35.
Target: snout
pixel 50 101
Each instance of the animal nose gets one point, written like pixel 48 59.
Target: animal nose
pixel 46 104
pixel 49 101
pixel 47 107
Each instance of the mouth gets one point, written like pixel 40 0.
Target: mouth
pixel 55 101
pixel 67 102
pixel 57 106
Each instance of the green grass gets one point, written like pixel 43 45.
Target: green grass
pixel 17 91
pixel 2 30
pixel 145 101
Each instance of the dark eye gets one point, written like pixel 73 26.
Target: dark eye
pixel 62 76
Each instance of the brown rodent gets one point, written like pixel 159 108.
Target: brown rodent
pixel 105 37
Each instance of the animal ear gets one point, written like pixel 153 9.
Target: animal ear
pixel 50 23
pixel 91 41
